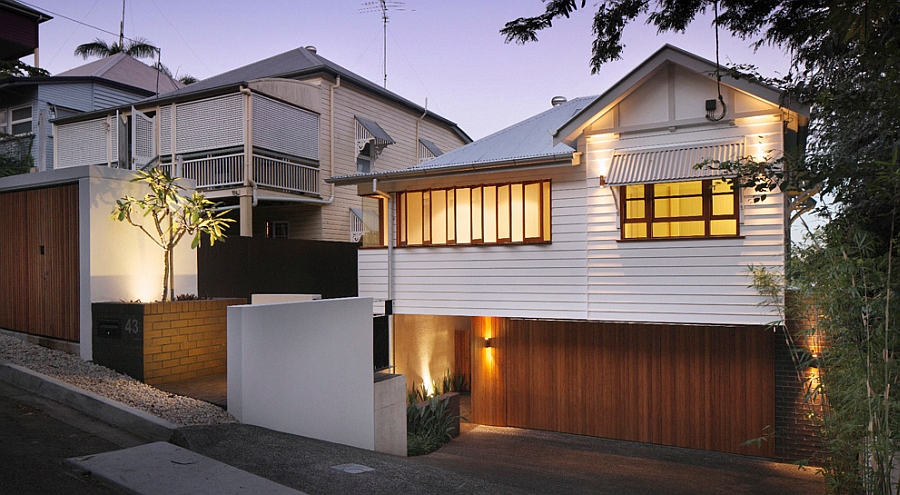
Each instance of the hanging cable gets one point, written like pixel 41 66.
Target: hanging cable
pixel 711 104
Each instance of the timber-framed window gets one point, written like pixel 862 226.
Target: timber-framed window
pixel 516 213
pixel 699 208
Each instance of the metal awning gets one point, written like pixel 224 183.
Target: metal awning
pixel 374 131
pixel 433 148
pixel 670 164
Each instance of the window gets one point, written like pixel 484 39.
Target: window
pixel 491 214
pixel 4 129
pixel 277 229
pixel 20 120
pixel 700 208
pixel 369 224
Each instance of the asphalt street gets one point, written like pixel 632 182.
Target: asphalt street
pixel 37 435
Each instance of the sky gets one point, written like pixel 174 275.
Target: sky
pixel 447 55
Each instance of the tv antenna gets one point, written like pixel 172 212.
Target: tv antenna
pixel 383 6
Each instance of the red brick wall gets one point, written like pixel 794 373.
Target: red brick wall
pixel 185 339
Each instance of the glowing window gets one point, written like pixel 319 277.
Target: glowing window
pixel 490 214
pixel 701 208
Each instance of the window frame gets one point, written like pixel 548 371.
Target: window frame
pixel 474 197
pixel 278 229
pixel 12 123
pixel 707 195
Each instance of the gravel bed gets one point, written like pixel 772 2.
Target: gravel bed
pixel 183 411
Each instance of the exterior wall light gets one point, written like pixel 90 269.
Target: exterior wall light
pixel 488 342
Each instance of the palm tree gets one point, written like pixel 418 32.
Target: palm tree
pixel 137 48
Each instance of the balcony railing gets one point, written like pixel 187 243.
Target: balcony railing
pixel 282 174
pixel 228 171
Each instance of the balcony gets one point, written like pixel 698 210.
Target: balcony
pixel 227 171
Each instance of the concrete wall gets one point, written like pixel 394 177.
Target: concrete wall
pixel 304 368
pixel 390 414
pixel 424 346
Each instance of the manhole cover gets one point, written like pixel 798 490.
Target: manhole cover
pixel 352 468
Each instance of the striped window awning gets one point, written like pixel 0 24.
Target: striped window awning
pixel 669 164
pixel 370 130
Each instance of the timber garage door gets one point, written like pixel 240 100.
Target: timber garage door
pixel 39 261
pixel 708 388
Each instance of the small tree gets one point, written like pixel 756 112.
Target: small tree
pixel 174 216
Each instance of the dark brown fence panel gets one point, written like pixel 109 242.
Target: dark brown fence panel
pixel 242 266
pixel 40 263
pixel 700 387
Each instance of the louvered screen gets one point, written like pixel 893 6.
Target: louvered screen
pixel 165 130
pixel 209 124
pixel 143 139
pixel 284 128
pixel 84 143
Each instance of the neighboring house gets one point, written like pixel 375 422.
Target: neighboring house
pixel 19 37
pixel 596 280
pixel 261 139
pixel 27 104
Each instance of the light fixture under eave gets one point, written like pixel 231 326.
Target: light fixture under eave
pixel 488 342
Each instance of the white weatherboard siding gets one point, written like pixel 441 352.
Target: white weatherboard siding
pixel 703 281
pixel 533 280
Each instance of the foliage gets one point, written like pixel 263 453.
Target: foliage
pixel 454 381
pixel 173 216
pixel 428 427
pixel 15 154
pixel 17 68
pixel 137 48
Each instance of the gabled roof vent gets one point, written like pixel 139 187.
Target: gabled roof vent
pixel 312 49
pixel 558 100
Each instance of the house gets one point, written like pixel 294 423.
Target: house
pixel 27 104
pixel 587 276
pixel 261 138
pixel 20 30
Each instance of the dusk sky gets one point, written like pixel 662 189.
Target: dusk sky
pixel 450 52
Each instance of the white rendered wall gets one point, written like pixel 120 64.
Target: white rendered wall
pixel 304 368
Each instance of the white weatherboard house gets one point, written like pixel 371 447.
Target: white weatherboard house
pixel 585 275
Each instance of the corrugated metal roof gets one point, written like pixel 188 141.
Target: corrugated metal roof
pixel 669 164
pixel 125 69
pixel 528 139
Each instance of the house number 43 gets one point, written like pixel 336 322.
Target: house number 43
pixel 131 326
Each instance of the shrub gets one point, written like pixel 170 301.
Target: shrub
pixel 428 427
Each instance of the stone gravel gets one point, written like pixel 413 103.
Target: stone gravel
pixel 183 411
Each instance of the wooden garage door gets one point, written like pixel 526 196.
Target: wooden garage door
pixel 709 388
pixel 39 261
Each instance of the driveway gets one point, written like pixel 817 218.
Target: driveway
pixel 544 462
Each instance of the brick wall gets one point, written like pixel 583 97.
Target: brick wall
pixel 796 436
pixel 185 339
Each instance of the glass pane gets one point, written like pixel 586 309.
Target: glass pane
pixel 414 215
pixel 426 217
pixel 476 214
pixel 463 216
pixel 503 212
pixel 401 208
pixel 678 229
pixel 635 209
pixel 532 211
pixel 634 192
pixel 723 227
pixel 438 217
pixel 451 216
pixel 635 230
pixel 545 205
pixel 719 186
pixel 490 214
pixel 723 204
pixel 691 206
pixel 517 207
pixel 22 128
pixel 678 188
pixel 384 215
pixel 21 114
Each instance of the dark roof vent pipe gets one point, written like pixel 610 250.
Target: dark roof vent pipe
pixel 558 100
pixel 311 49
